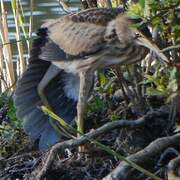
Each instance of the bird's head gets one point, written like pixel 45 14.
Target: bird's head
pixel 127 34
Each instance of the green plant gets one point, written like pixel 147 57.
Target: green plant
pixel 10 126
pixel 163 84
pixel 162 18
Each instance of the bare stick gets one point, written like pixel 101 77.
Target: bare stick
pixel 18 37
pixel 170 48
pixel 143 156
pixel 59 147
pixel 7 52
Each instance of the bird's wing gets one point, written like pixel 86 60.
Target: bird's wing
pixel 61 92
pixel 77 38
pixel 76 35
pixel 99 16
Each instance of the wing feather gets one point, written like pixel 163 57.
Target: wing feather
pixel 79 34
pixel 77 38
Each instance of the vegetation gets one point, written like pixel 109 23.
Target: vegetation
pixel 11 135
pixel 148 92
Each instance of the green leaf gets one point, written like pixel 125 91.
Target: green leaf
pixel 161 88
pixel 97 105
pixel 156 21
pixel 135 10
pixel 115 117
pixel 102 79
pixel 142 3
pixel 54 116
pixel 149 78
pixel 152 91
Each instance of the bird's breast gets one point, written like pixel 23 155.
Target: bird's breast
pixel 114 55
pixel 75 66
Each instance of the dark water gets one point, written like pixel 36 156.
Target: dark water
pixel 42 10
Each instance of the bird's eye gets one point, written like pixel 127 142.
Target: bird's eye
pixel 137 35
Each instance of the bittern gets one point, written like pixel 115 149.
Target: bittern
pixel 62 63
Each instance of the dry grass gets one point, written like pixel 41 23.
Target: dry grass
pixel 10 69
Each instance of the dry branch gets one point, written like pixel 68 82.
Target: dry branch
pixel 6 50
pixel 59 147
pixel 169 48
pixel 144 156
pixel 18 38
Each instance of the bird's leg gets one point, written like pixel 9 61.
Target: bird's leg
pixel 86 80
pixel 49 75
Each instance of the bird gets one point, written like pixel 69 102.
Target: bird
pixel 63 59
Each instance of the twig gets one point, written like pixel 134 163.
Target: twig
pixel 59 147
pixel 16 41
pixel 13 158
pixel 172 115
pixel 7 51
pixel 64 6
pixel 30 25
pixel 119 75
pixel 144 156
pixel 17 15
pixel 170 48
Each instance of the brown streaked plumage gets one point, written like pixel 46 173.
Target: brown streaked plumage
pixel 62 64
pixel 82 32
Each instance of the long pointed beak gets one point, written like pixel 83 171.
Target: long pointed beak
pixel 153 47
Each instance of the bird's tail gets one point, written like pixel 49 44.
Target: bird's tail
pixel 27 101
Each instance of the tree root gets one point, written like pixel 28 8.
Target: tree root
pixel 143 156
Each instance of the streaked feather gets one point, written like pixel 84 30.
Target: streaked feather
pixel 79 34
